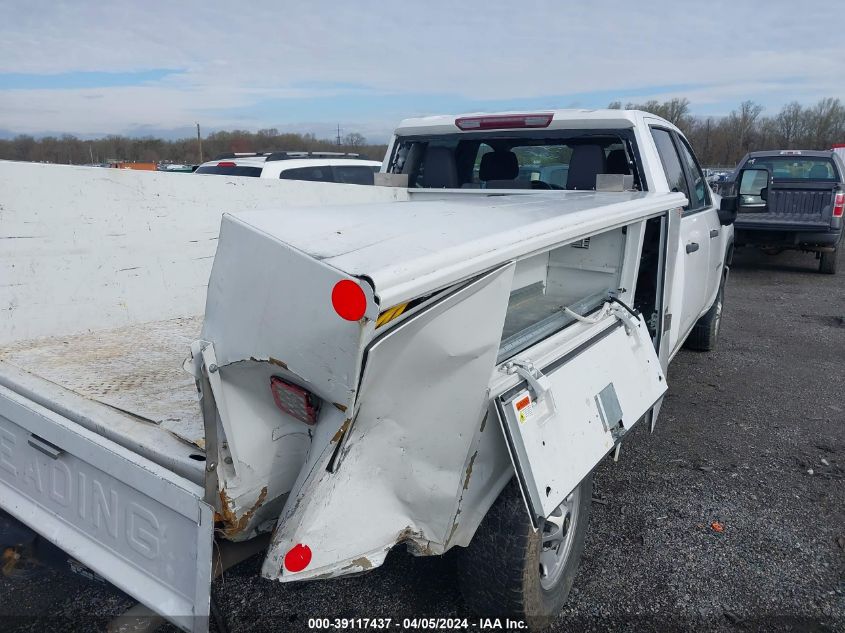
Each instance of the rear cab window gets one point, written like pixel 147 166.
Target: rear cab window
pixel 548 159
pixel 796 167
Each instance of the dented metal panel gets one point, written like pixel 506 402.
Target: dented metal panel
pixel 276 306
pixel 410 450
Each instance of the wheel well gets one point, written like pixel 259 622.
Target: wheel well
pixel 729 254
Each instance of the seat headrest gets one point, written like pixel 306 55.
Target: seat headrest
pixel 498 165
pixel 617 162
pixel 819 171
pixel 586 163
pixel 440 169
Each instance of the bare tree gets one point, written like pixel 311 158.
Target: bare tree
pixel 789 123
pixel 354 140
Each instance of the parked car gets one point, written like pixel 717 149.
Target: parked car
pixel 311 166
pixel 438 368
pixel 793 200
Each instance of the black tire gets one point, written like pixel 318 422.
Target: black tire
pixel 499 572
pixel 705 333
pixel 827 262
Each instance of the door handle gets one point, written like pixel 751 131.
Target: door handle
pixel 714 233
pixel 50 450
pixel 692 247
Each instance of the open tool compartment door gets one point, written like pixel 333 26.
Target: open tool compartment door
pixel 595 393
pixel 590 370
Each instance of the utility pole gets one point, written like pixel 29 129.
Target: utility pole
pixel 199 141
pixel 91 152
pixel 338 134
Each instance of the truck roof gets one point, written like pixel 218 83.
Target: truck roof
pixel 813 153
pixel 409 249
pixel 561 119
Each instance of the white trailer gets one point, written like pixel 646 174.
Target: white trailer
pixel 369 375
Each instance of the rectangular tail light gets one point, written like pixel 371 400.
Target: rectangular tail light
pixel 838 205
pixel 295 401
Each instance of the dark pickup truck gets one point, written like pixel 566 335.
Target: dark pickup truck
pixel 792 199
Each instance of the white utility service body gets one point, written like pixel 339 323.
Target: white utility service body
pixel 419 401
pixel 407 447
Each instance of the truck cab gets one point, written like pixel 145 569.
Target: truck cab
pixel 576 150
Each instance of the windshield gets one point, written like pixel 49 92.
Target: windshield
pixel 560 159
pixel 796 168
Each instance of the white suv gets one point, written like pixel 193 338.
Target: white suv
pixel 313 166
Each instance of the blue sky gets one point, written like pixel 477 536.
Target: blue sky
pixel 92 68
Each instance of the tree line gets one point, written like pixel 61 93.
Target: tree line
pixel 716 140
pixel 725 140
pixel 68 149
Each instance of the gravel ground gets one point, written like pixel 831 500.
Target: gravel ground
pixel 751 436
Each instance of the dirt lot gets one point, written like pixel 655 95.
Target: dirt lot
pixel 751 436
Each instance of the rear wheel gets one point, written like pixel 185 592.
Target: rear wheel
pixel 705 333
pixel 509 570
pixel 827 262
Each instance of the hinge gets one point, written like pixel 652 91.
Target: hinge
pixel 537 381
pixel 630 321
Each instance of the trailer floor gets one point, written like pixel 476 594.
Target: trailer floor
pixel 136 369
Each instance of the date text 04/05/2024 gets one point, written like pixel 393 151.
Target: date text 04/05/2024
pixel 482 624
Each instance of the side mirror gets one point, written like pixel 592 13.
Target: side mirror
pixel 753 190
pixel 749 193
pixel 727 211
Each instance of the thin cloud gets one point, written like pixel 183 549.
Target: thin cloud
pixel 259 64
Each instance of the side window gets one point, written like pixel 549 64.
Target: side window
pixel 700 197
pixel 353 174
pixel 671 162
pixel 314 174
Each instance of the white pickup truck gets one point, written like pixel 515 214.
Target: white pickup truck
pixel 368 374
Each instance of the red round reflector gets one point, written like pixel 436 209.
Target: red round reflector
pixel 298 557
pixel 349 300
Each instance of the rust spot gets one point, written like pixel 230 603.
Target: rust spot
pixel 484 422
pixel 469 469
pixel 363 563
pixel 416 541
pixel 232 523
pixel 276 361
pixel 341 431
pixel 271 360
pixel 339 406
